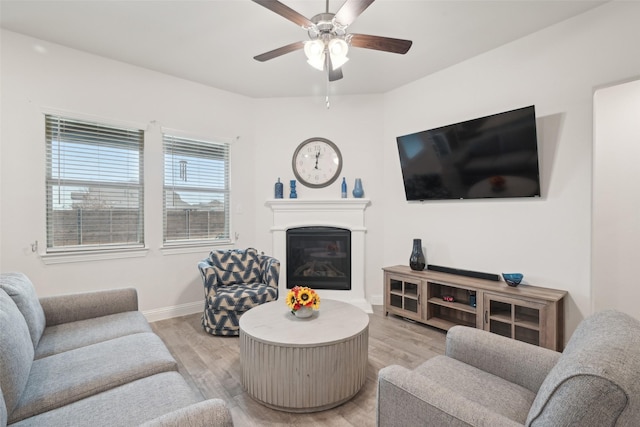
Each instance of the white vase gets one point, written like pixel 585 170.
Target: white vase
pixel 303 312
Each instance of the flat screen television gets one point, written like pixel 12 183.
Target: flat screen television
pixel 489 157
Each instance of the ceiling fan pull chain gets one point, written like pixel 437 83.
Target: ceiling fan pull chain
pixel 326 98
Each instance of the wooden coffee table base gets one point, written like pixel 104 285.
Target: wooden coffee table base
pixel 307 376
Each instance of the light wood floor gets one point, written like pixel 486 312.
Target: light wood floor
pixel 211 365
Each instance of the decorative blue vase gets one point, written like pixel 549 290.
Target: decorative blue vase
pixel 279 190
pixel 292 185
pixel 343 194
pixel 358 192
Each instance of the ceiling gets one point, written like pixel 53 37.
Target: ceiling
pixel 213 42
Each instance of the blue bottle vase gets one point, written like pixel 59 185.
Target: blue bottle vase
pixel 279 191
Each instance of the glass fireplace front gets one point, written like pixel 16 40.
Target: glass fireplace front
pixel 319 257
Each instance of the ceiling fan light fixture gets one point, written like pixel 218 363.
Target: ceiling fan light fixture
pixel 314 50
pixel 338 49
pixel 317 62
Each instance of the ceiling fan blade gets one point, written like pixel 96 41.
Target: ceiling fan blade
pixel 286 12
pixel 386 44
pixel 279 51
pixel 350 10
pixel 333 74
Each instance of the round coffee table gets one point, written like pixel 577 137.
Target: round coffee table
pixel 304 365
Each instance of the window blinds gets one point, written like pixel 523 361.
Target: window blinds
pixel 196 190
pixel 94 185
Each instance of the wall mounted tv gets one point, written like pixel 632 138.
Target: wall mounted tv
pixel 488 157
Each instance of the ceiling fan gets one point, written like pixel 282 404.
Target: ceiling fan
pixel 329 41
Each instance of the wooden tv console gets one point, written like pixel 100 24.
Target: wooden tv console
pixel 526 313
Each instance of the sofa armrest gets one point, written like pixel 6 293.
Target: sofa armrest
pixel 210 413
pixel 524 364
pixel 87 305
pixel 407 399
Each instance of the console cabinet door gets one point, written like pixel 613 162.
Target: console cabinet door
pixel 520 319
pixel 402 296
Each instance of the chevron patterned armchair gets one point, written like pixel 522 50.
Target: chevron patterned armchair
pixel 236 280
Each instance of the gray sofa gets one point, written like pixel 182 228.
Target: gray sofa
pixel 489 380
pixel 89 359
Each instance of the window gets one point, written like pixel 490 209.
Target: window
pixel 196 190
pixel 94 186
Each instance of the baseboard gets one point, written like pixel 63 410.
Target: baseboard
pixel 377 300
pixel 173 311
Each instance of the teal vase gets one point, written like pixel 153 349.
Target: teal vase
pixel 358 192
pixel 292 186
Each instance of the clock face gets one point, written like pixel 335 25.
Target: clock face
pixel 317 162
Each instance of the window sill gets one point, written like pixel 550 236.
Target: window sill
pixel 200 248
pixel 68 257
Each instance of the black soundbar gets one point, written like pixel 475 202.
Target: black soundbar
pixel 468 273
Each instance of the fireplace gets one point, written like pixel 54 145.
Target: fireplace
pixel 345 214
pixel 319 257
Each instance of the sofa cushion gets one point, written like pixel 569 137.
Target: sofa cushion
pixel 595 379
pixel 130 404
pixel 241 298
pixel 208 413
pixel 236 266
pixel 68 336
pixel 16 351
pixel 489 391
pixel 19 287
pixel 67 377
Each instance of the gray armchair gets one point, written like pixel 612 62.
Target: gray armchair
pixel 489 380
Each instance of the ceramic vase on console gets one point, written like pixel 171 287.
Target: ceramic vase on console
pixel 292 186
pixel 358 192
pixel 417 260
pixel 303 312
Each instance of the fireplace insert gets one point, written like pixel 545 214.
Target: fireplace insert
pixel 319 257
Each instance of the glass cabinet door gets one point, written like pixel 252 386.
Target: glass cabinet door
pixel 513 318
pixel 404 295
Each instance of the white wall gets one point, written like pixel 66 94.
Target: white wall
pixel 37 74
pixel 547 239
pixel 616 198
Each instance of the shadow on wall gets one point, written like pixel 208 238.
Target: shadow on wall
pixel 548 130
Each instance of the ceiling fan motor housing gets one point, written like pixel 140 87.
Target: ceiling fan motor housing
pixel 325 27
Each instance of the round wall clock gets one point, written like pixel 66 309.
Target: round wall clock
pixel 317 162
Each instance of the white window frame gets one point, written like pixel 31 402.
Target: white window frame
pixel 70 253
pixel 218 145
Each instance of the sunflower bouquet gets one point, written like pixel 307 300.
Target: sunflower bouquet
pixel 302 297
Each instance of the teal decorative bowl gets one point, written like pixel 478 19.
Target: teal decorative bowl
pixel 512 279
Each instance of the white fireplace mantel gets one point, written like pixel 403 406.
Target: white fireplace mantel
pixel 341 213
